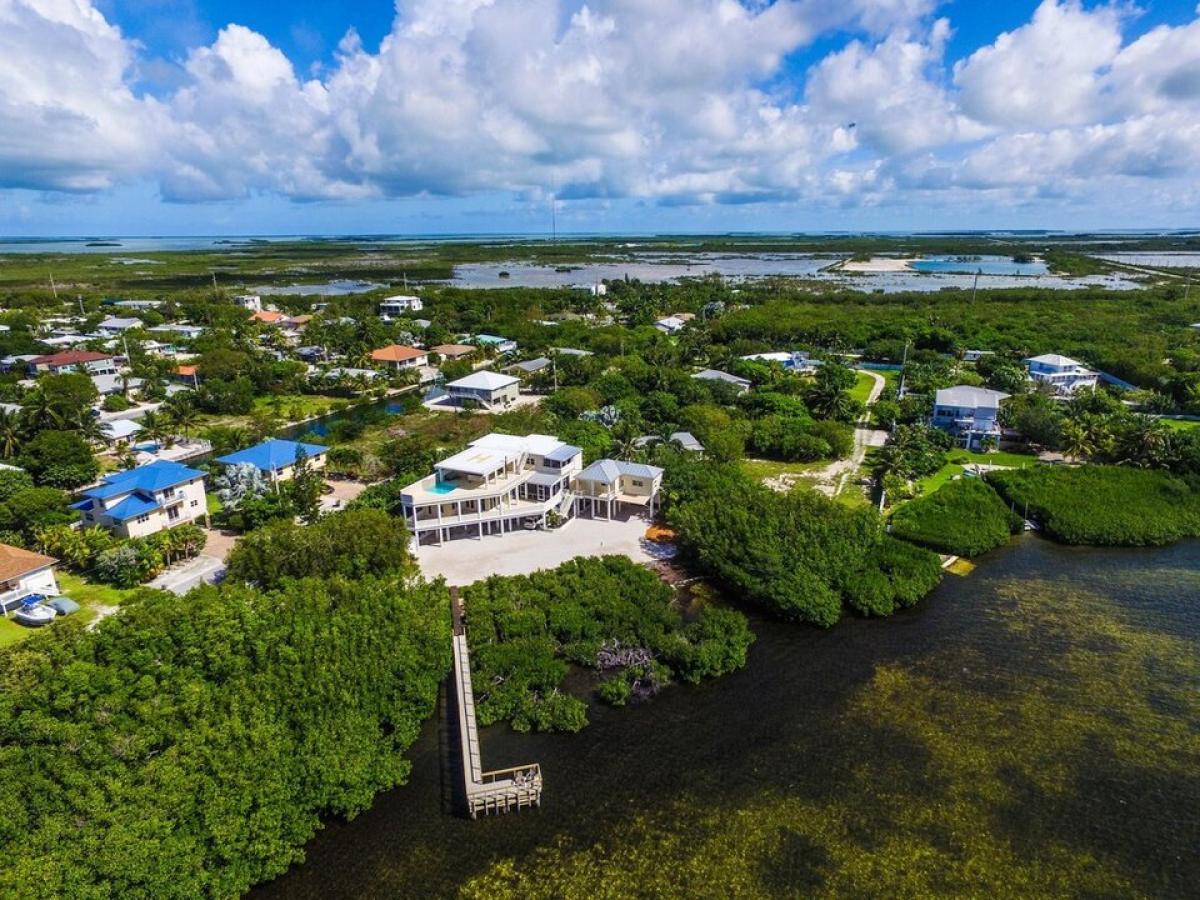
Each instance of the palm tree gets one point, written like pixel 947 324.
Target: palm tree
pixel 1075 442
pixel 42 412
pixel 183 414
pixel 154 426
pixel 10 434
pixel 1146 441
pixel 89 428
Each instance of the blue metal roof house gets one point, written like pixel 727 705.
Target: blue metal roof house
pixel 276 458
pixel 145 500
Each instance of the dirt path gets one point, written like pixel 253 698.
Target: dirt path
pixel 831 479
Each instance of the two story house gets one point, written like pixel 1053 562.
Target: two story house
pixel 399 305
pixel 1063 374
pixel 398 357
pixel 90 362
pixel 145 500
pixel 491 390
pixel 971 414
pixel 501 483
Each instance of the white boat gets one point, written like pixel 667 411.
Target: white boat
pixel 33 616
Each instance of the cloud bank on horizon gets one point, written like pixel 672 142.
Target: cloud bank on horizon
pixel 672 102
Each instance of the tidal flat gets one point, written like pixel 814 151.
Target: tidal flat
pixel 1032 729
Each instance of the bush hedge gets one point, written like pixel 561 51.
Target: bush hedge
pixel 965 517
pixel 1103 505
pixel 607 614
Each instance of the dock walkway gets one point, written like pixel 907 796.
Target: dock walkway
pixel 500 790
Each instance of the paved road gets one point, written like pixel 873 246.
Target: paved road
pixel 182 578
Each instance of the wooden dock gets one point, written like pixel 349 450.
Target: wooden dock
pixel 501 790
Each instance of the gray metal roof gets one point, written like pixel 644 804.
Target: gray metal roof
pixel 563 453
pixel 545 479
pixel 607 471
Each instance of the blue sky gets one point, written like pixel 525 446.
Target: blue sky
pixel 214 117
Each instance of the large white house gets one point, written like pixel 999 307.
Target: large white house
pixel 491 390
pixel 145 500
pixel 971 414
pixel 503 483
pixel 399 305
pixel 1062 373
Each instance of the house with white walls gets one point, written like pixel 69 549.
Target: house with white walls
pixel 505 483
pixel 1063 374
pixel 144 500
pixel 970 414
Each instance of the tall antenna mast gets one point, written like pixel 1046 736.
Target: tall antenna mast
pixel 975 286
pixel 53 287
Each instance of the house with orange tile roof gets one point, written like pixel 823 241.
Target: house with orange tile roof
pixel 398 356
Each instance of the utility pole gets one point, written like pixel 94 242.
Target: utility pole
pixel 903 365
pixel 79 297
pixel 53 287
pixel 975 286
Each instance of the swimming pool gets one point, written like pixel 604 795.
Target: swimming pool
pixel 442 487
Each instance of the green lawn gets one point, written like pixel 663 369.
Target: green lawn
pixel 1180 424
pixel 88 594
pixel 11 632
pixel 862 387
pixel 959 460
pixel 214 504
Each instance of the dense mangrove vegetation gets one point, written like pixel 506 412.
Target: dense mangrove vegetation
pixel 1104 505
pixel 798 555
pixel 188 747
pixel 964 517
pixel 605 614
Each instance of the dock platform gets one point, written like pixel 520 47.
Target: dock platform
pixel 500 790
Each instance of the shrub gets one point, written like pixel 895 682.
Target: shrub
pixel 965 517
pixel 800 556
pixel 608 614
pixel 189 746
pixel 1103 505
pixel 352 543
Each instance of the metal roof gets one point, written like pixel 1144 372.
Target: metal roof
pixel 272 455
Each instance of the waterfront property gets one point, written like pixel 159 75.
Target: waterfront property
pixel 276 459
pixel 610 487
pixel 398 357
pixel 969 413
pixel 1063 374
pixel 792 361
pixel 503 790
pixel 24 574
pixel 491 390
pixel 145 500
pixel 503 484
pixel 499 484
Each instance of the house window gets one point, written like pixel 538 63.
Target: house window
pixel 172 513
pixel 195 503
pixel 637 483
pixel 143 519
